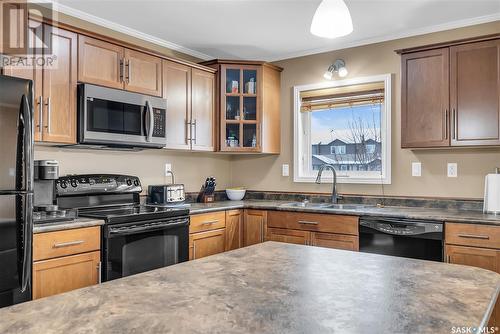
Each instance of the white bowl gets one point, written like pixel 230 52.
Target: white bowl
pixel 235 194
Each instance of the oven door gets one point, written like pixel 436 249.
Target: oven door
pixel 137 247
pixel 119 118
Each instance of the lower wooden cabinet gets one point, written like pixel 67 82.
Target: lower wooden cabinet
pixel 234 229
pixel 65 260
pixel 288 236
pixel 254 227
pixel 206 243
pixel 337 241
pixel 67 273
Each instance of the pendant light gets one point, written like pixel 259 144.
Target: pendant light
pixel 331 19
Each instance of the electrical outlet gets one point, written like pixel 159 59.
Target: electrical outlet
pixel 416 169
pixel 285 170
pixel 168 168
pixel 452 169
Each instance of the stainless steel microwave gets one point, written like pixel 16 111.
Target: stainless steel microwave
pixel 117 118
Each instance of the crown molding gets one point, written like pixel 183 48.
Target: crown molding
pixel 120 28
pixel 402 34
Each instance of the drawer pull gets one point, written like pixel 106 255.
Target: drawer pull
pixel 474 236
pixel 305 222
pixel 67 244
pixel 209 222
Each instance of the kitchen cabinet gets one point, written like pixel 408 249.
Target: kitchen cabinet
pixel 207 221
pixel 65 260
pixel 288 236
pixel 248 106
pixel 450 95
pixel 107 64
pixel 206 243
pixel 54 85
pixel 191 107
pixel 337 241
pixel 54 276
pixel 254 226
pixel 425 99
pixel 234 229
pixel 475 93
pixel 475 245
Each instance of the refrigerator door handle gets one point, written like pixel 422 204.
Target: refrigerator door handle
pixel 27 117
pixel 27 243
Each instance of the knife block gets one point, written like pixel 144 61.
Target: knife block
pixel 207 198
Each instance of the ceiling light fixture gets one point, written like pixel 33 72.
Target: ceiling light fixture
pixel 331 19
pixel 339 67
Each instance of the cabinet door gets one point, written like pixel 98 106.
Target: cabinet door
pixel 59 88
pixel 475 93
pixel 425 99
pixel 288 236
pixel 100 62
pixel 477 257
pixel 234 229
pixel 202 110
pixel 254 227
pixel 206 243
pixel 177 91
pixel 337 241
pixel 66 273
pixel 31 73
pixel 142 73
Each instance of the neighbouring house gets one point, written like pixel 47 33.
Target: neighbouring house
pixel 345 156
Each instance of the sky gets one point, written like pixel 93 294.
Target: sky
pixel 330 124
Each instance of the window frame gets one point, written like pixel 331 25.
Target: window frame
pixel 302 138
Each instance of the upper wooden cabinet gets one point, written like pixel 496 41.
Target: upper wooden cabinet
pixel 190 93
pixel 248 106
pixel 114 66
pixel 450 94
pixel 475 93
pixel 54 85
pixel 425 99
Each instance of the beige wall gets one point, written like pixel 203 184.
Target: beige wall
pixel 190 168
pixel 373 59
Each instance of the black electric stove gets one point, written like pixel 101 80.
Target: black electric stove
pixel 135 237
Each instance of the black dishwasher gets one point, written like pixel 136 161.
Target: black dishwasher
pixel 412 238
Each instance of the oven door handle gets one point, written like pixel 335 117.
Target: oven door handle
pixel 117 231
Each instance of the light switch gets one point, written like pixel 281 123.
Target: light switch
pixel 416 169
pixel 285 170
pixel 452 169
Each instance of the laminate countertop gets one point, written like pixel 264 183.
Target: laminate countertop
pixel 77 223
pixel 272 288
pixel 436 214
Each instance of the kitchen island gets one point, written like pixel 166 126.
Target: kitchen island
pixel 272 288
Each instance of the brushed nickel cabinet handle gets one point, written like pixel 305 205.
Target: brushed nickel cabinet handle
pixel 128 71
pixel 67 244
pixel 454 123
pixel 474 236
pixel 210 222
pixel 305 222
pixel 40 113
pixel 446 121
pixel 99 275
pixel 188 131
pixel 49 114
pixel 193 124
pixel 121 69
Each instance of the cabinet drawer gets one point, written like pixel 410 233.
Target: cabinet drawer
pixel 313 222
pixel 61 243
pixel 472 235
pixel 207 221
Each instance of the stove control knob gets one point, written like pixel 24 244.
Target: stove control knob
pixel 73 183
pixel 129 182
pixel 136 183
pixel 63 184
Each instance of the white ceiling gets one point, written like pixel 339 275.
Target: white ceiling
pixel 273 29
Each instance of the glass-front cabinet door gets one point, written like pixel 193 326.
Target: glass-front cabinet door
pixel 241 108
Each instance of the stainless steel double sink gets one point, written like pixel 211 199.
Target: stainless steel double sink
pixel 324 206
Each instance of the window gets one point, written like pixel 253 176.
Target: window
pixel 337 149
pixel 347 124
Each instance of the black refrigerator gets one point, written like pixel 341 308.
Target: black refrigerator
pixel 16 189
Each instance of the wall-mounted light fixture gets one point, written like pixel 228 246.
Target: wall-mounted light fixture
pixel 339 67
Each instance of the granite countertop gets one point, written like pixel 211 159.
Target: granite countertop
pixel 460 216
pixel 77 223
pixel 272 288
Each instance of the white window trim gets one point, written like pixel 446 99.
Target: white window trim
pixel 301 136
